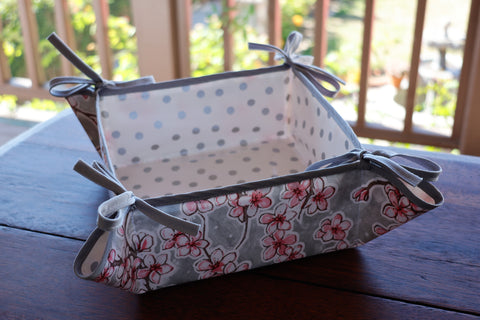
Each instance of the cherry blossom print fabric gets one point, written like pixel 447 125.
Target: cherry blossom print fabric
pixel 249 229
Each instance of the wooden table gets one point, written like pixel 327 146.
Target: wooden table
pixel 426 269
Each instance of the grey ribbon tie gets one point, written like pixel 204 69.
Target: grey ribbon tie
pixel 102 176
pixel 302 64
pixel 383 161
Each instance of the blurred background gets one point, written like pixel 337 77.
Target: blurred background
pixel 408 65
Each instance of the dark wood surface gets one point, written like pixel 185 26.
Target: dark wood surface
pixel 426 269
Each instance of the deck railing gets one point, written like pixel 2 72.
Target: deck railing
pixel 162 30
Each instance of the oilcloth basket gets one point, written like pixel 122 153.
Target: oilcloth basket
pixel 230 172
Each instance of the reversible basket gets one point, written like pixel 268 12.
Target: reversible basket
pixel 230 172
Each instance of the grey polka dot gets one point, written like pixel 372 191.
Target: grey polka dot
pixel 318 112
pixel 287 98
pixel 200 146
pixel 121 151
pixel 139 136
pixel 175 168
pixel 167 99
pixel 137 186
pixel 221 142
pixel 323 156
pixel 219 92
pixel 124 178
pixel 255 148
pixel 256 169
pixel 133 115
pixel 201 171
pixel 294 159
pixel 265 111
pixel 314 152
pixel 251 102
pixel 243 143
pixel 211 155
pixel 212 177
pixel 147 169
pixel 286 80
pixel 276 150
pixel 312 130
pixel 207 109
pixel 256 129
pixel 184 152
pixel 232 172
pixel 116 134
pixel 215 128
pixel 299 100
pixel 329 115
pixel 135 160
pixel 193 161
pixel 269 90
pixel 279 117
pixel 122 97
pixel 145 95
pixel 304 124
pixel 306 101
pixel 219 161
pixel 104 114
pixel 192 184
pixel 293 171
pixel 155 147
pixel 280 133
pixel 273 163
pixel 243 86
pixel 346 144
pixel 246 159
pixel 235 129
pixel 296 123
pixel 165 160
pixel 176 183
pixel 201 94
pixel 291 144
pixel 182 114
pixel 195 130
pixel 230 110
pixel 158 124
pixel 186 88
pixel 241 181
pixel 158 179
pixel 330 136
pixel 322 133
pixel 176 137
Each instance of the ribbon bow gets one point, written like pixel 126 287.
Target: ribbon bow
pixel 301 64
pixel 382 159
pixel 103 177
pixel 78 84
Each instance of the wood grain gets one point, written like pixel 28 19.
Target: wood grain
pixel 39 283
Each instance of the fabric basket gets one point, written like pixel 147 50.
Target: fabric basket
pixel 230 172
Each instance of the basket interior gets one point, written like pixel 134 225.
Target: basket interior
pixel 207 134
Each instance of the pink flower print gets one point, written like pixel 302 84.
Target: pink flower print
pixel 109 269
pixel 361 194
pixel 142 241
pixel 192 207
pixel 292 253
pixel 318 201
pixel 129 274
pixel 277 243
pixel 280 219
pixel 341 245
pixel 296 192
pixel 173 238
pixel 191 245
pixel 334 229
pixel 216 264
pixel 154 268
pixel 254 200
pixel 381 230
pixel 231 267
pixel 398 208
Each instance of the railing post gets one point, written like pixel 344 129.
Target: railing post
pixel 30 38
pixel 322 8
pixel 102 12
pixel 156 39
pixel 5 73
pixel 365 67
pixel 64 30
pixel 470 133
pixel 228 16
pixel 274 27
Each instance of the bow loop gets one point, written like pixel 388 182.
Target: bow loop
pixel 102 176
pixel 302 64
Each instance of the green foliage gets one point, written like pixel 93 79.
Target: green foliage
pixel 444 97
